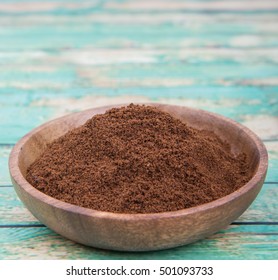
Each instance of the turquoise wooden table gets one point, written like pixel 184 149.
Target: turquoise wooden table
pixel 58 57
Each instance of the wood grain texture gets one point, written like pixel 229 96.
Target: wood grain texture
pixel 192 5
pixel 236 242
pixel 58 57
pixel 256 110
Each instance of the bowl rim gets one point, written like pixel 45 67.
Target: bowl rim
pixel 18 178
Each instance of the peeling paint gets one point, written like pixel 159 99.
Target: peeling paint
pixel 263 125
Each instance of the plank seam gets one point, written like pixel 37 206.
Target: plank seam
pixel 256 223
pixel 21 226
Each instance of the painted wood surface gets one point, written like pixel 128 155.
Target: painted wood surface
pixel 236 242
pixel 58 57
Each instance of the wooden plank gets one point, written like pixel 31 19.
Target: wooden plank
pixel 138 55
pixel 263 209
pixel 47 6
pixel 12 211
pixel 24 7
pixel 237 242
pixel 112 31
pixel 4 157
pixel 258 112
pixel 273 161
pixel 125 72
pixel 238 6
pixel 156 30
pixel 144 18
pixel 102 25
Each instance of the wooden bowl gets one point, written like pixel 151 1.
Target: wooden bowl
pixel 138 232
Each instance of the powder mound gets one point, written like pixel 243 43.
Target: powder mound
pixel 138 159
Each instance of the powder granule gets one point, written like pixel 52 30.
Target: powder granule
pixel 138 159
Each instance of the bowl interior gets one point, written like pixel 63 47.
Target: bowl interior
pixel 239 138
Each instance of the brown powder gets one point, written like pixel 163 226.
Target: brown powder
pixel 138 159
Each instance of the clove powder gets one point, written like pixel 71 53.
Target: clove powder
pixel 138 159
